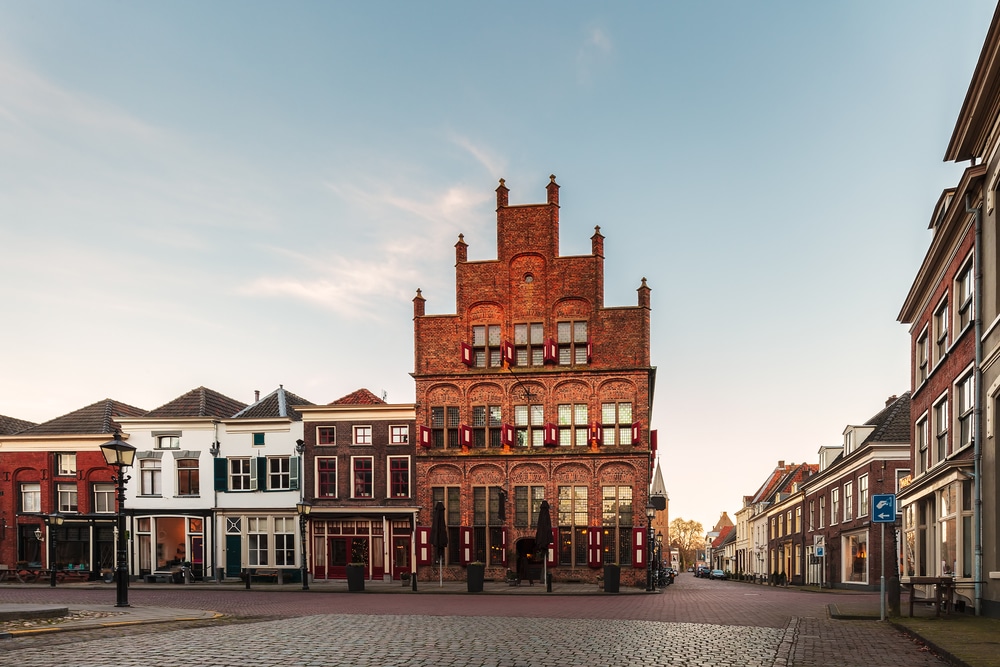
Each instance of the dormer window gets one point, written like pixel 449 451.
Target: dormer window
pixel 168 442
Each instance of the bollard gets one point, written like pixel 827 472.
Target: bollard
pixel 548 583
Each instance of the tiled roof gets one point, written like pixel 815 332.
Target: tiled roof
pixel 717 542
pixel 10 426
pixel 276 404
pixel 359 397
pixel 200 402
pixel 96 418
pixel 892 424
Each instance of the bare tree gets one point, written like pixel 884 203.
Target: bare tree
pixel 687 537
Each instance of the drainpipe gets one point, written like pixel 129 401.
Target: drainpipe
pixel 977 423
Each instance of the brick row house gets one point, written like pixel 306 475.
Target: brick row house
pixel 534 390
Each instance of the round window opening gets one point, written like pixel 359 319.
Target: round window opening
pixel 528 278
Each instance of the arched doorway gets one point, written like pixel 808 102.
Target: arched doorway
pixel 529 564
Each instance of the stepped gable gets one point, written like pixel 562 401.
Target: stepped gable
pixel 10 425
pixel 200 402
pixel 276 404
pixel 95 418
pixel 359 397
pixel 892 424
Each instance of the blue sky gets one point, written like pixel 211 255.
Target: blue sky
pixel 246 194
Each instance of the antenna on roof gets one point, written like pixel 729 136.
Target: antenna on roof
pixel 385 394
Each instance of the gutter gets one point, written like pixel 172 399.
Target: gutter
pixel 977 422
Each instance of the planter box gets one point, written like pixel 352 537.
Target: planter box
pixel 475 573
pixel 355 578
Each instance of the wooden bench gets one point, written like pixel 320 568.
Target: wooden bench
pixel 268 574
pixel 944 587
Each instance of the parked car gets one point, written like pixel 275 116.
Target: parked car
pixel 691 568
pixel 702 572
pixel 717 574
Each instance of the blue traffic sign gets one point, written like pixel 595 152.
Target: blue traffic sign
pixel 884 507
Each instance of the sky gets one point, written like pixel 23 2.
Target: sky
pixel 245 194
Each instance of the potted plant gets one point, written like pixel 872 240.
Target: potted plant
pixel 612 577
pixel 474 576
pixel 355 577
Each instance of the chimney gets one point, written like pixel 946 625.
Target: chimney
pixel 781 464
pixel 889 401
pixel 256 395
pixel 597 243
pixel 502 195
pixel 418 304
pixel 553 190
pixel 461 250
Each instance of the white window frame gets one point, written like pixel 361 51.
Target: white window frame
pixel 66 463
pixel 863 498
pixel 965 389
pixel 941 427
pixel 362 435
pixel 31 497
pixel 258 546
pixel 336 479
pixel 921 452
pixel 104 498
pixel 168 441
pixel 66 494
pixel 150 477
pixel 177 473
pixel 249 474
pixel 835 506
pixel 354 480
pixel 922 353
pixel 282 476
pixel 389 480
pixel 399 435
pixel 848 501
pixel 940 319
pixel 965 292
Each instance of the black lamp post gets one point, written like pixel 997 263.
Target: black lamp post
pixel 120 455
pixel 650 514
pixel 303 509
pixel 53 520
pixel 659 558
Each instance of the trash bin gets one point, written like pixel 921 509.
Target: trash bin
pixel 612 578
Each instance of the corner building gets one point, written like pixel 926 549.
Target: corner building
pixel 534 390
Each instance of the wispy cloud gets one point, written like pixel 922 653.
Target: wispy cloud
pixel 494 164
pixel 597 47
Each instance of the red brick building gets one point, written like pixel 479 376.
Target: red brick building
pixel 534 390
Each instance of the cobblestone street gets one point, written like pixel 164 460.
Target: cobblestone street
pixel 726 624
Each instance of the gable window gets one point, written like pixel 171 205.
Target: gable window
pixel 964 287
pixel 923 458
pixel 616 423
pixel 921 353
pixel 572 339
pixel 150 480
pixel 31 497
pixel 241 474
pixel 168 442
pixel 362 435
pixel 486 346
pixel 573 422
pixel 848 501
pixel 444 427
pixel 529 422
pixel 279 473
pixel 399 476
pixel 572 520
pixel 362 474
pixel 187 477
pixel 326 477
pixel 451 497
pixel 863 495
pixel 258 439
pixel 964 396
pixel 67 497
pixel 940 332
pixel 941 430
pixel 326 435
pixel 399 435
pixel 486 420
pixel 66 462
pixel 529 344
pixel 104 498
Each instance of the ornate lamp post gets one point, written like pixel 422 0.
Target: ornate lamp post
pixel 659 558
pixel 650 514
pixel 120 455
pixel 54 520
pixel 303 509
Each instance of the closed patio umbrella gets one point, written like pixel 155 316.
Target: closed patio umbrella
pixel 439 538
pixel 543 538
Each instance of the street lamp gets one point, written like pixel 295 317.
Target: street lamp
pixel 53 520
pixel 659 557
pixel 120 455
pixel 650 514
pixel 303 509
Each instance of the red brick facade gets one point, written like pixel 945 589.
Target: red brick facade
pixel 534 389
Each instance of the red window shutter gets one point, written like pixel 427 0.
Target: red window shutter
pixel 590 351
pixel 652 442
pixel 465 544
pixel 424 436
pixel 507 352
pixel 465 435
pixel 550 351
pixel 596 434
pixel 639 549
pixel 636 433
pixel 554 548
pixel 551 435
pixel 507 435
pixel 425 552
pixel 594 551
pixel 503 538
pixel 467 354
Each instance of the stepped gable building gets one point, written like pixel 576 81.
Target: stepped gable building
pixel 56 467
pixel 534 390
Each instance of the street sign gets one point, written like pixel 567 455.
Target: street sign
pixel 884 507
pixel 819 540
pixel 819 551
